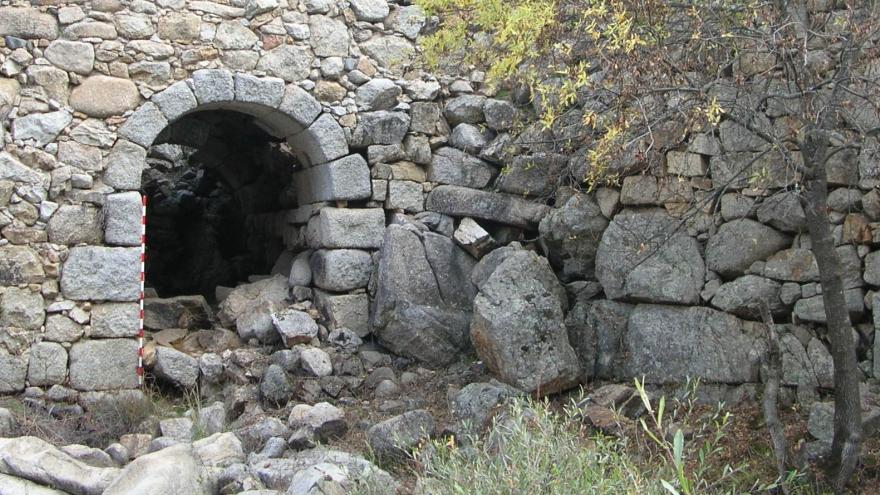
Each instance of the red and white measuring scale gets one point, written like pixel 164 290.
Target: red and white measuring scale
pixel 140 365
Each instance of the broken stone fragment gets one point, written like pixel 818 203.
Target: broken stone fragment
pixel 473 238
pixel 294 327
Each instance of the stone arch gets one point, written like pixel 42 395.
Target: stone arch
pixel 284 111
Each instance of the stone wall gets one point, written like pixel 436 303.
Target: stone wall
pixel 400 182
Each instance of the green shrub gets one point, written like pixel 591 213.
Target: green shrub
pixel 535 448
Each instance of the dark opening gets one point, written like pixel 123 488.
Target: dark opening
pixel 215 183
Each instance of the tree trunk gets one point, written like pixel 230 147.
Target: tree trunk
pixel 847 440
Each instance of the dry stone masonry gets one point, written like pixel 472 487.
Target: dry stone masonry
pixel 310 182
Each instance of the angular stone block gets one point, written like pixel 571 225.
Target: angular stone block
pixel 47 364
pixel 122 219
pixel 115 320
pixel 457 168
pixel 347 178
pixel 347 228
pixel 341 270
pixel 104 364
pixel 125 163
pixel 349 311
pixel 102 273
pixel 464 202
pixel 13 371
pixel 300 105
pixel 20 265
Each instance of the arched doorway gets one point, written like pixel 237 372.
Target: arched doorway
pixel 215 182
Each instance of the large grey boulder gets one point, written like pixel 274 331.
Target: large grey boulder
pixel 571 235
pixel 669 344
pixel 370 10
pixel 738 244
pixel 783 211
pixel 518 329
pixel 745 295
pixel 171 471
pixel 16 486
pixel 377 94
pixel 36 460
pixel 72 56
pixel 322 422
pixel 345 311
pixel 465 109
pixel 532 175
pixel 96 273
pixel 27 23
pixel 275 387
pixel 397 436
pixel 645 255
pixel 104 96
pixel 43 128
pixel 423 296
pixel 389 51
pixel 792 265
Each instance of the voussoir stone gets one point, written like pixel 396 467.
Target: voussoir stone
pixel 104 96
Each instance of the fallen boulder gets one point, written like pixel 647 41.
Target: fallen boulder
pixel 518 328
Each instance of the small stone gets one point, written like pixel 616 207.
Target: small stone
pixel 316 362
pixel 175 367
pixel 397 436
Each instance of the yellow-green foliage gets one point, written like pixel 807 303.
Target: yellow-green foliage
pixel 629 50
